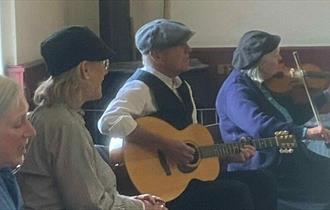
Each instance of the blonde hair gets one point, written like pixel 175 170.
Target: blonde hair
pixel 66 88
pixel 9 93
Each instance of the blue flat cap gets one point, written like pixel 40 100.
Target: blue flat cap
pixel 252 46
pixel 67 47
pixel 161 34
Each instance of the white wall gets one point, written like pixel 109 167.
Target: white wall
pixel 143 11
pixel 83 12
pixel 35 20
pixel 220 23
pixel 31 21
pixel 1 57
pixel 8 32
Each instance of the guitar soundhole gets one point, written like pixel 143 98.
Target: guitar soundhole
pixel 196 154
pixel 193 164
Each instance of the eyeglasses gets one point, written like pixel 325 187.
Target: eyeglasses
pixel 106 64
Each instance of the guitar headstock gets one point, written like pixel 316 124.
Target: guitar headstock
pixel 285 141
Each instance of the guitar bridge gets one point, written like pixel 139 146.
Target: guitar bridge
pixel 164 163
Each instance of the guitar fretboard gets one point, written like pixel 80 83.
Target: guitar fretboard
pixel 222 150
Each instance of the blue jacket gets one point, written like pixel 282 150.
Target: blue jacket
pixel 244 110
pixel 10 195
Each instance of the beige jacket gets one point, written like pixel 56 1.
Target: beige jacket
pixel 63 170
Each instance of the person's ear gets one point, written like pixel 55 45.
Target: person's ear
pixel 155 56
pixel 84 70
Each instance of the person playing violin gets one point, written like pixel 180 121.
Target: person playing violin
pixel 246 108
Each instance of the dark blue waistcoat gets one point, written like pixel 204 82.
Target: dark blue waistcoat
pixel 169 107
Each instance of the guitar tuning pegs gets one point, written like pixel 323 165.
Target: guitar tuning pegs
pixel 283 151
pixel 286 151
pixel 278 133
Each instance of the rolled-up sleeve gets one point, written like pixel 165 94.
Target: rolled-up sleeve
pixel 118 119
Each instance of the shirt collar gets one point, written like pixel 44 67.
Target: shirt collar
pixel 170 82
pixel 254 75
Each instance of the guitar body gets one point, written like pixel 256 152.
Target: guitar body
pixel 149 169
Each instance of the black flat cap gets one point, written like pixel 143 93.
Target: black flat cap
pixel 66 48
pixel 161 34
pixel 252 46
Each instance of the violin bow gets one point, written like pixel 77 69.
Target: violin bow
pixel 301 72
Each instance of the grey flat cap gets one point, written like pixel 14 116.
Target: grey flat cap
pixel 252 46
pixel 161 34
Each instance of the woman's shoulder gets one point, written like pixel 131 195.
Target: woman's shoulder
pixel 55 114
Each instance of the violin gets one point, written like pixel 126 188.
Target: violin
pixel 288 82
pixel 289 79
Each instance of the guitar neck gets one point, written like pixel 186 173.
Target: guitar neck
pixel 222 150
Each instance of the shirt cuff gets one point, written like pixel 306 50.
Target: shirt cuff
pixel 300 132
pixel 304 133
pixel 122 127
pixel 143 207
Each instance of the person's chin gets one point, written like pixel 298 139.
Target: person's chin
pixel 97 96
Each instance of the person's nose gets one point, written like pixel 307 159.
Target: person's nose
pixel 29 130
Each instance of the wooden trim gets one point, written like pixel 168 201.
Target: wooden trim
pixel 318 55
pixel 215 57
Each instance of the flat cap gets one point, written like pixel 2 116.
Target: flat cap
pixel 67 47
pixel 161 34
pixel 252 46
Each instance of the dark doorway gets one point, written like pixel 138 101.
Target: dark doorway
pixel 115 27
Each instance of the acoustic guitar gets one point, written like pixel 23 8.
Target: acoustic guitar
pixel 149 170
